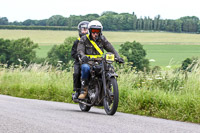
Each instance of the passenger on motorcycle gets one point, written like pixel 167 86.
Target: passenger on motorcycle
pixel 91 46
pixel 82 30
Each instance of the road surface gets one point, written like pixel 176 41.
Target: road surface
pixel 18 115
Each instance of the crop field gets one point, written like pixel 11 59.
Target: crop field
pixel 165 48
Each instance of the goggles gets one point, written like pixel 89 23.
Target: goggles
pixel 95 30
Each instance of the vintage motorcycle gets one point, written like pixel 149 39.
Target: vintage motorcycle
pixel 103 87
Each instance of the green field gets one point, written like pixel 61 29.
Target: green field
pixel 169 55
pixel 165 94
pixel 165 48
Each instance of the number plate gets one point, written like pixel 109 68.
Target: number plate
pixel 110 57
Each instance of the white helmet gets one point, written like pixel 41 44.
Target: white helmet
pixel 95 24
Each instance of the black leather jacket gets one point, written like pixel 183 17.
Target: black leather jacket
pixel 74 52
pixel 85 47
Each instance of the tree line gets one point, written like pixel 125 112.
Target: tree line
pixel 113 21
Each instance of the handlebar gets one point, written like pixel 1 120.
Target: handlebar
pixel 97 59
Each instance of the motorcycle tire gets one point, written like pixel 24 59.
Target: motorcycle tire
pixel 112 100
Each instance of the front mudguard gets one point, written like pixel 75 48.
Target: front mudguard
pixel 110 75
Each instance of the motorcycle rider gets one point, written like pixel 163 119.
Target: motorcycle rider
pixel 91 46
pixel 82 30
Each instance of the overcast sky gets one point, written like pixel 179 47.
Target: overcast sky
pixel 20 10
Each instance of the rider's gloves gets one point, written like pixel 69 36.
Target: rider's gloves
pixel 120 60
pixel 85 59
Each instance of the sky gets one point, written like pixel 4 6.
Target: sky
pixel 20 10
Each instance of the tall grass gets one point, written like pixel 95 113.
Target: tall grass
pixel 165 94
pixel 38 82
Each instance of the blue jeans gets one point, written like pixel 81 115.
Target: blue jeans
pixel 85 71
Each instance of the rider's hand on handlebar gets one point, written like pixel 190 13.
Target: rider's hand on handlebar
pixel 85 59
pixel 120 60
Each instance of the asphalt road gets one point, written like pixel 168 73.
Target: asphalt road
pixel 18 115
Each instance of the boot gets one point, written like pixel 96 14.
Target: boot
pixel 76 94
pixel 83 93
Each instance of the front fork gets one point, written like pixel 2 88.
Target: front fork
pixel 104 78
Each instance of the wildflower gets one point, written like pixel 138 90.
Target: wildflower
pixel 5 65
pixel 20 60
pixel 138 84
pixel 168 66
pixel 158 78
pixel 25 63
pixel 152 60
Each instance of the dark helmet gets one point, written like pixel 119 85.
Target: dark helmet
pixel 83 24
pixel 95 25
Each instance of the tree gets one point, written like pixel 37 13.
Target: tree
pixel 4 50
pixel 42 22
pixel 61 53
pixel 109 13
pixel 16 23
pixel 157 22
pixel 134 22
pixel 56 20
pixel 190 24
pixel 189 63
pixel 28 22
pixel 113 21
pixel 90 17
pixel 198 30
pixel 3 21
pixel 17 52
pixel 135 54
pixel 170 25
pixel 140 24
pixel 178 25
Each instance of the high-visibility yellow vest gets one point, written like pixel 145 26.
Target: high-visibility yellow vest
pixel 96 47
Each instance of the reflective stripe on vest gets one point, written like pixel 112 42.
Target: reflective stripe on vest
pixel 79 38
pixel 96 47
pixel 94 56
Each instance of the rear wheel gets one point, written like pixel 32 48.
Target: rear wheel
pixel 92 97
pixel 112 98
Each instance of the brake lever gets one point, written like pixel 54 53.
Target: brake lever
pixel 117 60
pixel 79 58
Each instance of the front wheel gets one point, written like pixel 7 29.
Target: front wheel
pixel 112 98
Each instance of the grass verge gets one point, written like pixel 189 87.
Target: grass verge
pixel 165 94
